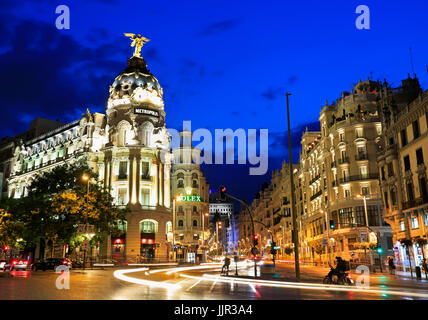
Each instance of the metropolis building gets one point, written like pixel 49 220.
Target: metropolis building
pixel 128 147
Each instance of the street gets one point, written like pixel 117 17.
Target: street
pixel 202 283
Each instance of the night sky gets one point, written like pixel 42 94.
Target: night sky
pixel 222 64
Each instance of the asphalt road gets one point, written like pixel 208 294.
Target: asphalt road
pixel 205 282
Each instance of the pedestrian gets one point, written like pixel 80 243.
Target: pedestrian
pixel 391 265
pixel 424 265
pixel 226 265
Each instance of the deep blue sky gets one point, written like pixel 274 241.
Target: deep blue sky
pixel 222 64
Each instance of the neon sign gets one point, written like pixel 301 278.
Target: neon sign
pixel 193 198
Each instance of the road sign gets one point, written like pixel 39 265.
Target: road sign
pixel 363 237
pixel 352 254
pixel 86 244
pixel 85 228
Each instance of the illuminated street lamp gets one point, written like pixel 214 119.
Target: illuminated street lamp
pixel 359 196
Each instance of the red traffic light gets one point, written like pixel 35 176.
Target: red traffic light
pixel 6 248
pixel 223 189
pixel 256 237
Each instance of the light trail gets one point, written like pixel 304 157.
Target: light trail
pixel 305 286
pixel 120 274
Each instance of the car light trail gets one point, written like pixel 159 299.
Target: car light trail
pixel 120 274
pixel 307 286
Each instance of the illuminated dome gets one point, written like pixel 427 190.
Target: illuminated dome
pixel 136 84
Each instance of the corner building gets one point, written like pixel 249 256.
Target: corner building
pixel 129 149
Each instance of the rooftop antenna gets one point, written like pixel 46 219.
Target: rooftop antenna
pixel 411 61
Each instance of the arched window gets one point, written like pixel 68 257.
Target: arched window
pixel 148 226
pixel 195 223
pixel 180 223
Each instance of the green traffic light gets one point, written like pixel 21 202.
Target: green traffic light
pixel 379 250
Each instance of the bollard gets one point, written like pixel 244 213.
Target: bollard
pixel 418 273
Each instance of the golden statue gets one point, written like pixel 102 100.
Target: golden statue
pixel 137 42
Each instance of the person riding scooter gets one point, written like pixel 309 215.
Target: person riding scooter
pixel 339 270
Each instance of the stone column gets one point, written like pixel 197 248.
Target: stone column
pixel 132 237
pixel 137 178
pixel 130 177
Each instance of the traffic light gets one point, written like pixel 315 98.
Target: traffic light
pixel 332 224
pixel 256 240
pixel 222 192
pixel 6 248
pixel 273 248
pixel 379 250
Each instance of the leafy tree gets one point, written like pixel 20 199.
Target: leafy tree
pixel 57 201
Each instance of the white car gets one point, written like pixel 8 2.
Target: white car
pixel 21 264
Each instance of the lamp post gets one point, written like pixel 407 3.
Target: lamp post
pixel 293 198
pixel 203 234
pixel 85 177
pixel 328 235
pixel 174 254
pixel 367 225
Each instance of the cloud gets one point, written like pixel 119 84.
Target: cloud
pixel 292 80
pixel 217 27
pixel 46 73
pixel 279 140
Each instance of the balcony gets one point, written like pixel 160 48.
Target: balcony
pixel 314 179
pixel 361 156
pixel 359 177
pixel 344 160
pixel 146 177
pixel 316 195
pixel 415 202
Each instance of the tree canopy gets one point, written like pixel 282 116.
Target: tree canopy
pixel 57 202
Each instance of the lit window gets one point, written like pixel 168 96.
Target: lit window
pixel 359 132
pixel 121 196
pixel 415 223
pixel 402 226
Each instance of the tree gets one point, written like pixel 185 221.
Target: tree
pixel 57 202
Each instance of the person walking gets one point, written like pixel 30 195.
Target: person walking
pixel 226 266
pixel 391 265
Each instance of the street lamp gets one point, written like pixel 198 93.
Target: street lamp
pixel 293 199
pixel 359 196
pixel 328 235
pixel 86 178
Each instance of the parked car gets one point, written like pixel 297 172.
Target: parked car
pixel 19 264
pixel 51 264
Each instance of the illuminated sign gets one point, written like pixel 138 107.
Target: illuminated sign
pixel 147 241
pixel 146 112
pixel 189 198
